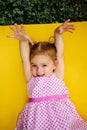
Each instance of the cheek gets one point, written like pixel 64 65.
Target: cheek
pixel 49 69
pixel 33 70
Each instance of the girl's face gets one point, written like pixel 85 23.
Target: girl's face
pixel 42 65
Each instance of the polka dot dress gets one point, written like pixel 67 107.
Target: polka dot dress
pixel 59 114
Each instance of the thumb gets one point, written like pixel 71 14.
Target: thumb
pixel 10 36
pixel 30 41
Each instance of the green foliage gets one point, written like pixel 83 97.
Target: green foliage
pixel 41 11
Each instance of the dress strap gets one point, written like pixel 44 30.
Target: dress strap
pixel 47 98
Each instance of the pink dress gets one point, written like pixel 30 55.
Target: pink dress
pixel 50 107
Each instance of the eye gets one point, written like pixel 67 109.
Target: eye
pixel 44 65
pixel 34 65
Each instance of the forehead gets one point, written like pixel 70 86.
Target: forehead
pixel 41 58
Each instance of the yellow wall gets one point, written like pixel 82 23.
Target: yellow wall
pixel 13 94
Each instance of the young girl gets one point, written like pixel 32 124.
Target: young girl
pixel 49 106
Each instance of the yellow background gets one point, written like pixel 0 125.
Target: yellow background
pixel 13 94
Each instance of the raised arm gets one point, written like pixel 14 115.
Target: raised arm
pixel 65 27
pixel 24 40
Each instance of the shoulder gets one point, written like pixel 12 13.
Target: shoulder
pixel 56 75
pixel 29 80
pixel 33 79
pixel 57 79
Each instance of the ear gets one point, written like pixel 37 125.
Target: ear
pixel 56 63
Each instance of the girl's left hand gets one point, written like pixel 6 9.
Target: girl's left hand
pixel 65 27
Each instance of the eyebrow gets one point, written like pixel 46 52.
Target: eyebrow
pixel 32 63
pixel 41 63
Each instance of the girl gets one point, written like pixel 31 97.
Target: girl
pixel 49 106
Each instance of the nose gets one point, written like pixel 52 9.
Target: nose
pixel 39 71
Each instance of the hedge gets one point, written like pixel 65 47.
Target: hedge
pixel 41 11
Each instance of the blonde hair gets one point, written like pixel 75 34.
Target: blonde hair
pixel 43 48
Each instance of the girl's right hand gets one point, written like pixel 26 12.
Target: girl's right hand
pixel 19 33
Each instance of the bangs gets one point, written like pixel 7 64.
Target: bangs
pixel 43 48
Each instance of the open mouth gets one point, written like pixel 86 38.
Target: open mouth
pixel 41 75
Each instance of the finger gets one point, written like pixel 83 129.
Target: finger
pixel 68 26
pixel 17 28
pixel 30 41
pixel 66 22
pixel 12 28
pixel 22 28
pixel 70 30
pixel 10 36
pixel 71 27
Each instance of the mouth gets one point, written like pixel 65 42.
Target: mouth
pixel 41 75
